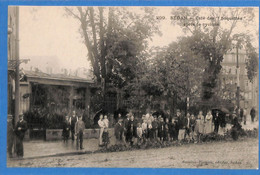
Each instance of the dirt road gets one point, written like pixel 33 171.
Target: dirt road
pixel 242 154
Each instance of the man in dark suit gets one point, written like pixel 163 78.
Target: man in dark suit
pixel 126 121
pixel 252 114
pixel 178 123
pixel 216 119
pixel 241 114
pixel 20 129
pixel 119 130
pixel 73 121
pixel 187 126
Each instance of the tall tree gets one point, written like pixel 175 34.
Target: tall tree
pixel 176 72
pixel 115 38
pixel 213 31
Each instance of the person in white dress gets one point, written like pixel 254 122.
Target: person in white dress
pixel 101 124
pixel 208 124
pixel 199 127
pixel 106 121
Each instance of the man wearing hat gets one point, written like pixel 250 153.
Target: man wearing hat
pixel 126 121
pixel 119 130
pixel 179 123
pixel 20 129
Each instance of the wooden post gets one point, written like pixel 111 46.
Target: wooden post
pixel 17 75
pixel 71 99
pixel 87 100
pixel 30 97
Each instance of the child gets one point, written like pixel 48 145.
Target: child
pixel 66 129
pixel 79 129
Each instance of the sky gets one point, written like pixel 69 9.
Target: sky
pixel 50 39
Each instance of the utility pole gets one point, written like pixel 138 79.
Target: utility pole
pixel 188 88
pixel 17 67
pixel 238 83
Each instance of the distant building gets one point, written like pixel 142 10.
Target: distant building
pixel 63 92
pixel 248 90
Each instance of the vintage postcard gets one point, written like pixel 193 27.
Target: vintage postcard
pixel 133 87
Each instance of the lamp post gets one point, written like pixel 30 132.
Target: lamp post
pixel 238 83
pixel 17 75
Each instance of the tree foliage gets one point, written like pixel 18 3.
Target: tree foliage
pixel 116 38
pixel 213 31
pixel 175 72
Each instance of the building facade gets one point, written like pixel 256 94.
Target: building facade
pixel 248 90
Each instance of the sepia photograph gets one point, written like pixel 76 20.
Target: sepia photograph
pixel 133 87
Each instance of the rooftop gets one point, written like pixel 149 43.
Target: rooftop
pixel 63 77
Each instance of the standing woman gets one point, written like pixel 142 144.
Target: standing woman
pixel 200 123
pixel 101 124
pixel 199 126
pixel 208 124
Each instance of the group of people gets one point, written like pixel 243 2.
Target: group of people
pixel 157 128
pixel 103 123
pixel 243 115
pixel 76 126
pixel 130 130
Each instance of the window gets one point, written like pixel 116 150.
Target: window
pixel 246 83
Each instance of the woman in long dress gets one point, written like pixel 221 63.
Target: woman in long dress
pixel 199 127
pixel 101 124
pixel 208 124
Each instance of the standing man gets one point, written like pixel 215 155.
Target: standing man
pixel 245 116
pixel 216 119
pixel 10 135
pixel 178 123
pixel 20 129
pixel 241 114
pixel 252 114
pixel 187 126
pixel 73 120
pixel 126 121
pixel 79 129
pixel 119 130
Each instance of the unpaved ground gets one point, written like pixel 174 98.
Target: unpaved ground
pixel 242 154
